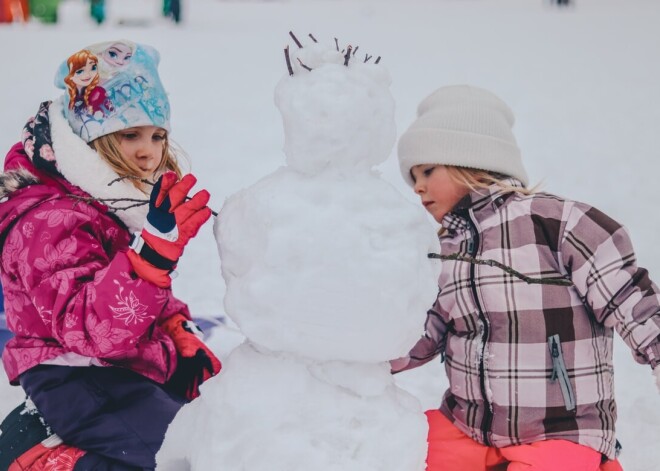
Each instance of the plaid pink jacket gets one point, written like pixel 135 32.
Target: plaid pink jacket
pixel 532 361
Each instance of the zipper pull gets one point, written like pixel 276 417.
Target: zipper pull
pixel 470 246
pixel 555 356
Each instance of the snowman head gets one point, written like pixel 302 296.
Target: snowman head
pixel 337 109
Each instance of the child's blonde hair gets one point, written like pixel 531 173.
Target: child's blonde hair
pixel 108 149
pixel 476 179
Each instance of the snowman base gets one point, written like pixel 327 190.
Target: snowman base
pixel 271 411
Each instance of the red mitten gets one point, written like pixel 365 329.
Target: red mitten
pixel 171 222
pixel 196 363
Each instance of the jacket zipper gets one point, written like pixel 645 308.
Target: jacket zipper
pixel 560 373
pixel 487 420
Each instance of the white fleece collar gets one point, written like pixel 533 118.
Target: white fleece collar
pixel 82 166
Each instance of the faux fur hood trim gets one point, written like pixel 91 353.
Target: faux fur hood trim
pixel 82 166
pixel 14 180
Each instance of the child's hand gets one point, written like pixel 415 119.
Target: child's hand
pixel 656 373
pixel 172 221
pixel 196 363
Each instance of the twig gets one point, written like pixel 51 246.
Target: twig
pixel 355 50
pixel 295 40
pixel 366 58
pixel 131 177
pixel 347 57
pixel 130 206
pixel 288 60
pixel 110 201
pixel 303 65
pixel 89 199
pixel 337 44
pixel 313 38
pixel 560 281
pixel 215 213
pixel 377 60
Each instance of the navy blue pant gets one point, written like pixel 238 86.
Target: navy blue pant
pixel 117 416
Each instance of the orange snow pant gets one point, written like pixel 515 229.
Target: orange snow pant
pixel 452 450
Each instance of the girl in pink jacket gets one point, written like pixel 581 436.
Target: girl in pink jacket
pixel 94 215
pixel 532 288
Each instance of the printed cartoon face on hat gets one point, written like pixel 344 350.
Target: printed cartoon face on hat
pixel 118 54
pixel 83 75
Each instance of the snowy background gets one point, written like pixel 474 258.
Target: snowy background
pixel 584 84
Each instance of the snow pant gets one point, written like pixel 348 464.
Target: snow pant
pixel 118 417
pixel 452 450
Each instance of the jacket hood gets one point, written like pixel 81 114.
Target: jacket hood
pixel 14 180
pixel 21 188
pixel 55 160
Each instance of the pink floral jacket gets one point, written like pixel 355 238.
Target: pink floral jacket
pixel 71 295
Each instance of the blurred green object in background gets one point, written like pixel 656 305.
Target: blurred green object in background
pixel 97 10
pixel 172 8
pixel 44 10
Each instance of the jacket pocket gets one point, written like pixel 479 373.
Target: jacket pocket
pixel 559 372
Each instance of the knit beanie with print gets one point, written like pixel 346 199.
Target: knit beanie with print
pixel 112 86
pixel 462 126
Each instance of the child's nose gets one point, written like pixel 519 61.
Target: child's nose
pixel 144 149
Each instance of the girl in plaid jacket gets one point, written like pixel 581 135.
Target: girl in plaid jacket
pixel 532 288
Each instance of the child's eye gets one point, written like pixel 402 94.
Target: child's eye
pixel 159 137
pixel 129 135
pixel 427 172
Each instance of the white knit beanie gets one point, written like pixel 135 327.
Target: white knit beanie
pixel 463 126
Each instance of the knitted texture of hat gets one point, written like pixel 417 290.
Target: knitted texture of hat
pixel 462 126
pixel 112 86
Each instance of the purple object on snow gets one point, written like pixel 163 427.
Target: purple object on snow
pixel 5 335
pixel 208 323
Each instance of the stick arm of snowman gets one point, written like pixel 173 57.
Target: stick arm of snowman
pixel 123 204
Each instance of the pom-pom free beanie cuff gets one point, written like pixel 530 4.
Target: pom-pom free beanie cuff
pixel 462 126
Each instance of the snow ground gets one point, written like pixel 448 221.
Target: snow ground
pixel 582 81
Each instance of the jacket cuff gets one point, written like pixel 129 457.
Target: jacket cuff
pixel 653 354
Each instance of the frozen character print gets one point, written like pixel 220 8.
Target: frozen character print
pixel 86 96
pixel 118 54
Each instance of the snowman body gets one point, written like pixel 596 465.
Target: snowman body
pixel 327 276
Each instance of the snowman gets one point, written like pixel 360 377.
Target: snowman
pixel 328 278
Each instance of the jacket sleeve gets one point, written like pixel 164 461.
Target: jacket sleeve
pixel 173 307
pixel 429 346
pixel 597 253
pixel 90 303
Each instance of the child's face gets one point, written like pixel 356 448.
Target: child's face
pixel 143 146
pixel 438 191
pixel 83 76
